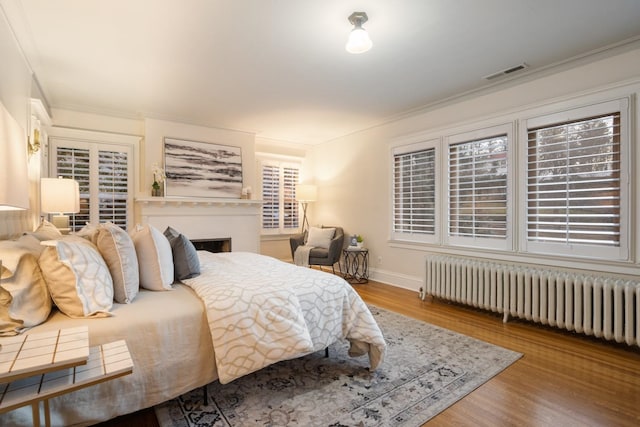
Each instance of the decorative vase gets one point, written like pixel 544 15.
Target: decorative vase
pixel 157 192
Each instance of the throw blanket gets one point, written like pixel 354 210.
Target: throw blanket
pixel 301 255
pixel 261 311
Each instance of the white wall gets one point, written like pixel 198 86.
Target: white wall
pixel 354 185
pixel 156 130
pixel 15 76
pixel 15 94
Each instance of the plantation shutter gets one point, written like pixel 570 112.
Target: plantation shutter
pixel 478 188
pixel 75 163
pixel 280 209
pixel 573 186
pixel 414 186
pixel 290 204
pixel 113 187
pixel 270 197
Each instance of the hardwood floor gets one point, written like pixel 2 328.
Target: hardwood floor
pixel 563 379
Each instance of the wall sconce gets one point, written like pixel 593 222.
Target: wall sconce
pixel 34 144
pixel 60 196
pixel 359 41
pixel 306 193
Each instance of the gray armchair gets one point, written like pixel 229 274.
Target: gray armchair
pixel 321 256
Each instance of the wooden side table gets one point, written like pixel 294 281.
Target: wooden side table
pixel 45 368
pixel 356 263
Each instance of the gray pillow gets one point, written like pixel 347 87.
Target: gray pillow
pixel 185 257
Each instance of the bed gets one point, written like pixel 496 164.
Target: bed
pixel 285 312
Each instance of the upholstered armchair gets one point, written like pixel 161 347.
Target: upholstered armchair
pixel 321 256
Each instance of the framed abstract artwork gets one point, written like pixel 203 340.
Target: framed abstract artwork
pixel 201 169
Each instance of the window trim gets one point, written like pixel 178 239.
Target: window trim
pixel 578 112
pixel 406 148
pixel 281 162
pixel 506 244
pixel 77 138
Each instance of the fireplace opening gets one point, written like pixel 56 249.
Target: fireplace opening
pixel 213 245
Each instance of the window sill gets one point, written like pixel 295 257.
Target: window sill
pixel 276 237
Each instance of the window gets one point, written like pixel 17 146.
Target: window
pixel 414 192
pixel 105 175
pixel 280 210
pixel 575 173
pixel 478 184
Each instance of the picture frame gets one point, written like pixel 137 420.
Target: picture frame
pixel 202 169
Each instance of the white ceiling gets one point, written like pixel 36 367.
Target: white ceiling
pixel 278 67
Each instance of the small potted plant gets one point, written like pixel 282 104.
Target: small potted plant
pixel 360 241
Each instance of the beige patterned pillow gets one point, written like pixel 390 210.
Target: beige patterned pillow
pixel 25 301
pixel 77 277
pixel 116 247
pixel 155 259
pixel 46 231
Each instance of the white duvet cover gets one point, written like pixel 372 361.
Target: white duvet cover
pixel 261 311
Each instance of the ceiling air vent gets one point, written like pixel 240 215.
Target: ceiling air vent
pixel 508 71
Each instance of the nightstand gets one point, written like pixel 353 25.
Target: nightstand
pixel 356 263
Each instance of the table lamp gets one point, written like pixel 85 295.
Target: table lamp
pixel 59 196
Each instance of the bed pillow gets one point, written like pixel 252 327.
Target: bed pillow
pixel 77 277
pixel 155 259
pixel 24 298
pixel 116 247
pixel 186 263
pixel 320 237
pixel 8 325
pixel 89 232
pixel 46 231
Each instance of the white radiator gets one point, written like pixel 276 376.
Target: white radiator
pixel 605 306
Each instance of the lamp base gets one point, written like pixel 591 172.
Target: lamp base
pixel 61 222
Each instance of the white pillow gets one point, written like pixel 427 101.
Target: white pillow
pixel 320 237
pixel 116 247
pixel 155 259
pixel 77 277
pixel 26 301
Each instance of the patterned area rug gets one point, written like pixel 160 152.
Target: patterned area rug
pixel 426 369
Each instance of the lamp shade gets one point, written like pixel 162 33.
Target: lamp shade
pixel 359 41
pixel 59 195
pixel 306 193
pixel 14 172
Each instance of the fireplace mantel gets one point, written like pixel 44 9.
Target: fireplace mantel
pixel 205 218
pixel 195 202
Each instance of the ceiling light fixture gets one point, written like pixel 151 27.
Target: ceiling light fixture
pixel 359 41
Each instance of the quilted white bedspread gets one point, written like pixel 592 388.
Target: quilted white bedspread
pixel 261 311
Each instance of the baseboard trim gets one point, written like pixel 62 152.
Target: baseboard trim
pixel 398 280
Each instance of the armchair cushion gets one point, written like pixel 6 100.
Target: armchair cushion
pixel 320 237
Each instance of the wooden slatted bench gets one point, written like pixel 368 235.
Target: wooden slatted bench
pixel 37 367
